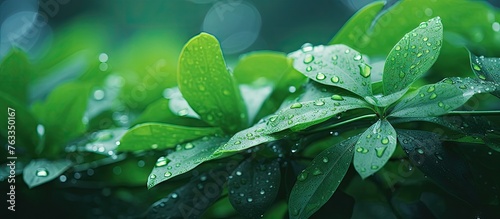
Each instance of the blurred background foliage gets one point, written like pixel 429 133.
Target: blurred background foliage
pixel 110 62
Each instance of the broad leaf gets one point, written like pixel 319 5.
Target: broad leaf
pixel 336 65
pixel 148 136
pixel 317 183
pixel 424 150
pixel 248 138
pixel 253 186
pixel 440 98
pixel 190 200
pixel 206 84
pixel 40 171
pixel 185 158
pixel 486 68
pixel 301 115
pixel 15 71
pixel 374 148
pixel 412 56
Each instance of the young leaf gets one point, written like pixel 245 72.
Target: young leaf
pixel 336 65
pixel 412 56
pixel 301 115
pixel 440 98
pixel 40 171
pixel 206 84
pixel 185 158
pixel 253 186
pixel 15 71
pixel 148 136
pixel 486 69
pixel 248 138
pixel 317 183
pixel 374 148
pixel 424 150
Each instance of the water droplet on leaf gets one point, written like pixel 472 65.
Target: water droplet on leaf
pixel 41 172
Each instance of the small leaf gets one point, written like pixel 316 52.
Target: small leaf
pixel 301 115
pixel 41 171
pixel 15 71
pixel 486 68
pixel 449 171
pixel 253 186
pixel 317 183
pixel 186 157
pixel 336 65
pixel 248 138
pixel 149 136
pixel 206 84
pixel 374 148
pixel 440 98
pixel 413 56
pixel 192 199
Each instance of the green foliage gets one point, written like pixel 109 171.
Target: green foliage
pixel 280 133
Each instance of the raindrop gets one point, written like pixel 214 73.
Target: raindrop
pixel 423 25
pixel 162 161
pixel 419 54
pixel 292 89
pixel 320 76
pixel 420 151
pixel 380 151
pixel 463 86
pixel 152 176
pixel 374 167
pixel 183 112
pixel 362 150
pixel 226 92
pixel 302 176
pixel 402 74
pixel 425 39
pixel 482 77
pixel 357 57
pixel 433 96
pixel 262 192
pixel 42 172
pixel 335 57
pixel 99 94
pixel 365 70
pixel 296 106
pixel 307 47
pixel 398 47
pixel 337 97
pixel 385 140
pixel 174 195
pixel 319 102
pixel 309 68
pixel 317 172
pixel 438 156
pixel 325 159
pixel 189 146
pixel 441 104
pixel 238 173
pixel 476 67
pixel 308 58
pixel 249 199
pixel 335 79
pixel 168 174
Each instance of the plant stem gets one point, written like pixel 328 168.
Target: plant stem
pixel 484 113
pixel 345 122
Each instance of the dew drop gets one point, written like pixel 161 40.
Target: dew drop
pixel 347 51
pixel 325 159
pixel 189 146
pixel 317 172
pixel 433 96
pixel 441 104
pixel 335 57
pixel 365 70
pixel 183 112
pixel 380 151
pixel 337 97
pixel 99 94
pixel 482 77
pixel 168 174
pixel 296 106
pixel 238 173
pixel 226 92
pixel 307 47
pixel 320 76
pixel 423 25
pixel 309 68
pixel 420 151
pixel 425 39
pixel 357 57
pixel 162 161
pixel 374 167
pixel 476 67
pixel 398 47
pixel 438 156
pixel 319 103
pixel 302 176
pixel 335 79
pixel 42 172
pixel 402 74
pixel 152 176
pixel 419 55
pixel 385 140
pixel 249 199
pixel 174 195
pixel 308 58
pixel 463 86
pixel 262 192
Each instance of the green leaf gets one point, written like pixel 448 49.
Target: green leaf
pixel 149 136
pixel 486 68
pixel 69 101
pixel 413 56
pixel 301 115
pixel 248 138
pixel 317 183
pixel 185 158
pixel 384 101
pixel 249 193
pixel 374 148
pixel 102 142
pixel 336 65
pixel 160 111
pixel 41 171
pixel 15 71
pixel 206 84
pixel 449 171
pixel 440 98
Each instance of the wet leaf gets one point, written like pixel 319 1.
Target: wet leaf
pixel 387 100
pixel 374 148
pixel 317 183
pixel 160 111
pixel 41 171
pixel 440 98
pixel 335 65
pixel 253 186
pixel 413 56
pixel 208 86
pixel 15 71
pixel 149 136
pixel 449 171
pixel 186 157
pixel 487 68
pixel 102 142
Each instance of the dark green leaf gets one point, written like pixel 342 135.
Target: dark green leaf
pixel 15 71
pixel 374 148
pixel 413 56
pixel 206 84
pixel 440 98
pixel 40 171
pixel 185 158
pixel 336 65
pixel 317 183
pixel 149 136
pixel 424 150
pixel 253 186
pixel 486 68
